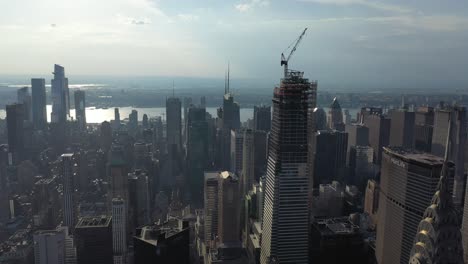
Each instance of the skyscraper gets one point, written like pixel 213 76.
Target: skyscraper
pixel 197 151
pixel 174 122
pixel 408 182
pixel 119 231
pixel 14 118
pixel 211 207
pixel 262 118
pixel 335 116
pixel 285 228
pixel 379 132
pixel 117 169
pixel 60 96
pixel 116 123
pixel 69 210
pixel 457 138
pixel 228 210
pixel 24 98
pixel 80 109
pixel 371 201
pixel 54 247
pixel 39 111
pixel 237 138
pixel 438 238
pixel 402 128
pixel 247 177
pixel 360 164
pixel 93 236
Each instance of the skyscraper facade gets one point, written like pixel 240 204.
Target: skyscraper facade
pixel 14 118
pixel 49 247
pixel 93 236
pixel 174 122
pixel 402 128
pixel 237 139
pixel 80 109
pixel 262 118
pixel 285 227
pixel 228 209
pixel 39 111
pixel 247 177
pixel 335 116
pixel 379 132
pixel 24 98
pixel 69 210
pixel 408 182
pixel 211 206
pixel 60 96
pixel 119 231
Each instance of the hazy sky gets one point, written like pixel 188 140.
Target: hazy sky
pixel 348 42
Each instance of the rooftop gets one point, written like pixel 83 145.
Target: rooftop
pixel 94 221
pixel 414 156
pixel 335 226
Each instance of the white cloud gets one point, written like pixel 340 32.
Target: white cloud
pixel 378 5
pixel 249 5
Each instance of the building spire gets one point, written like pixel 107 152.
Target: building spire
pixel 173 89
pixel 228 77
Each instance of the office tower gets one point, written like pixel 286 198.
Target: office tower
pixel 60 96
pixel 438 238
pixel 230 120
pixel 228 209
pixel 379 132
pixel 335 116
pixel 93 237
pixel 423 128
pixel 211 207
pixel 117 169
pixel 53 247
pixel 457 137
pixel 187 105
pixel 145 121
pixel 358 135
pixel 368 111
pixel 133 122
pixel 237 138
pixel 408 182
pixel 262 118
pixel 105 136
pixel 371 201
pixel 39 111
pixel 361 165
pixel 46 203
pixel 69 209
pixel 119 231
pixel 320 118
pixel 24 98
pixel 346 117
pixel 116 122
pixel 14 118
pixel 328 156
pixel 163 242
pixel 174 122
pixel 260 154
pixel 80 109
pixel 402 128
pixel 247 177
pixel 26 172
pixel 203 102
pixel 424 115
pixel 335 241
pixel 141 206
pixel 285 228
pixel 197 151
pixel 329 200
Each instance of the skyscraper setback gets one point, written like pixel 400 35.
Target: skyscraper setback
pixel 285 235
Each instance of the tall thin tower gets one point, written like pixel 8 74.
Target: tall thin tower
pixel 69 213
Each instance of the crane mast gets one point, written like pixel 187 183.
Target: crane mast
pixel 284 60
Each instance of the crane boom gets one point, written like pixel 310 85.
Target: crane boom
pixel 284 61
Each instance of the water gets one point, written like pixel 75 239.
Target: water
pixel 99 115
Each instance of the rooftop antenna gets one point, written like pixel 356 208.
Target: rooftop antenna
pixel 225 82
pixel 228 78
pixel 173 89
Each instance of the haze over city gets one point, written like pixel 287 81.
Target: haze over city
pixel 350 43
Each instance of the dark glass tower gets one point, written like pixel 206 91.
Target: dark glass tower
pixel 287 193
pixel 80 111
pixel 14 117
pixel 39 113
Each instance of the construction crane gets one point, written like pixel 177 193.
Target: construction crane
pixel 284 60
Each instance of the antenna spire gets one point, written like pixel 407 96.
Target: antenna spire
pixel 228 77
pixel 173 89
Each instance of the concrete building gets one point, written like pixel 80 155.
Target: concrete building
pixel 336 240
pixel 211 207
pixel 39 111
pixel 285 228
pixel 402 128
pixel 174 122
pixel 164 242
pixel 229 210
pixel 237 139
pixel 371 201
pixel 119 231
pixel 361 165
pixel 335 116
pixel 93 237
pixel 247 177
pixel 54 247
pixel 69 199
pixel 379 133
pixel 262 118
pixel 24 98
pixel 408 182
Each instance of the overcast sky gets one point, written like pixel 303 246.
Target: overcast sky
pixel 348 42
